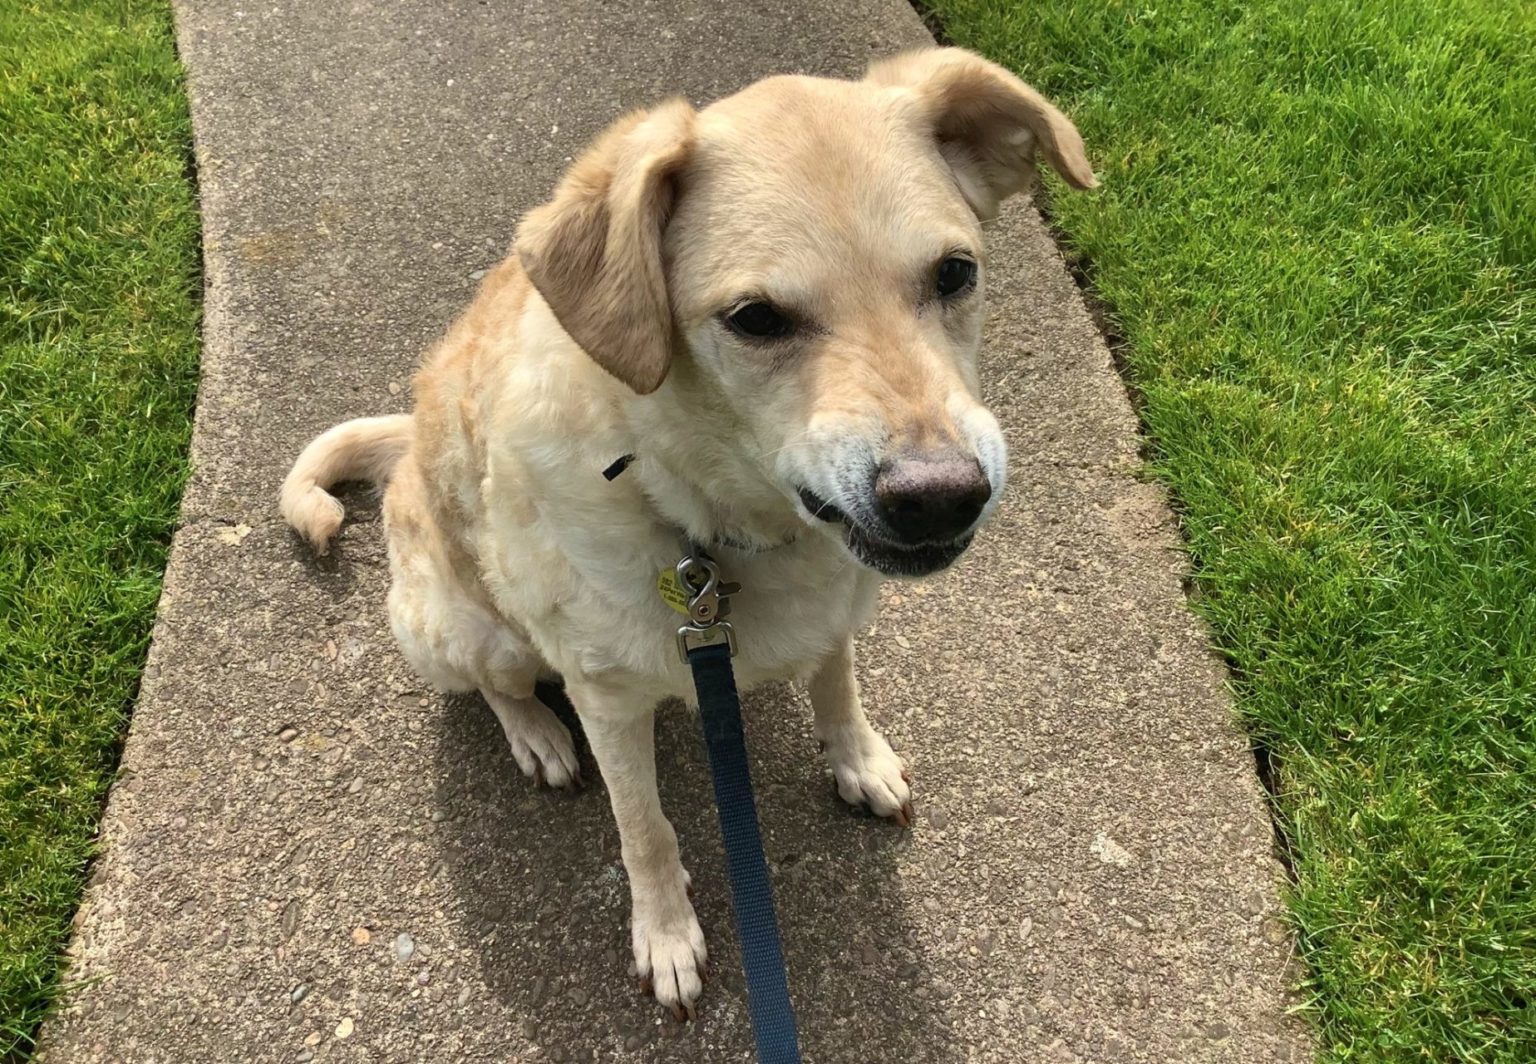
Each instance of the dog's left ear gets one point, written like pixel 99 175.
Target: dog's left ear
pixel 594 250
pixel 988 123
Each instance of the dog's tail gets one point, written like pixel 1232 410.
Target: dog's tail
pixel 364 449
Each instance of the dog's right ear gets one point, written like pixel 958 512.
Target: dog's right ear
pixel 594 250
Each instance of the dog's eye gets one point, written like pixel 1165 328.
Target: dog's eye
pixel 955 276
pixel 759 321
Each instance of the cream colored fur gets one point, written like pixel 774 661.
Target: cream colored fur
pixel 513 558
pixel 365 449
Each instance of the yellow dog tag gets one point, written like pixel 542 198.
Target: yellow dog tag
pixel 672 591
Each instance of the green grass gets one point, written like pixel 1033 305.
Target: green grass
pixel 98 370
pixel 1317 236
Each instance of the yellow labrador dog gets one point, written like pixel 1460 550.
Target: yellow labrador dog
pixel 774 305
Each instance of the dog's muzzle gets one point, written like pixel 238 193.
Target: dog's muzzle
pixel 921 514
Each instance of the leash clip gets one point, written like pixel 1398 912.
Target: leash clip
pixel 708 604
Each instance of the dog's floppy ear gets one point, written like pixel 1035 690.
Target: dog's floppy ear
pixel 988 123
pixel 594 250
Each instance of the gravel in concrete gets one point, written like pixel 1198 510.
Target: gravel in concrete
pixel 309 856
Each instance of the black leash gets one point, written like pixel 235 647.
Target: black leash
pixel 773 1018
pixel 707 643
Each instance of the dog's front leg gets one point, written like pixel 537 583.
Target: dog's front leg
pixel 668 943
pixel 868 772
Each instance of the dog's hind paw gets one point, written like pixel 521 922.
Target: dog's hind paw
pixel 540 741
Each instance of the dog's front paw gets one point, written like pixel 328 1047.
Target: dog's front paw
pixel 670 957
pixel 869 773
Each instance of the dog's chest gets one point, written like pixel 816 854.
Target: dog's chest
pixel 575 560
pixel 791 612
pixel 601 612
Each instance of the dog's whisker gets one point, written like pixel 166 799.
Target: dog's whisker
pixel 794 439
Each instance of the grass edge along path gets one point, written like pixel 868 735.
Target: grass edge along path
pixel 99 306
pixel 1315 236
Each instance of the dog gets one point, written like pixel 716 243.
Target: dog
pixel 771 309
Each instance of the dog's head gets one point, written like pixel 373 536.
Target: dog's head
pixel 808 253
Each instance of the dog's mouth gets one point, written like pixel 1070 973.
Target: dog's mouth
pixel 879 553
pixel 821 509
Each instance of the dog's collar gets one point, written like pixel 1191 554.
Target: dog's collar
pixel 621 463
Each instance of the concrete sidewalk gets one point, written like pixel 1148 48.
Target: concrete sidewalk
pixel 309 856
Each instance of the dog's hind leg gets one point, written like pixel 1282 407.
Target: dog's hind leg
pixel 469 648
pixel 457 642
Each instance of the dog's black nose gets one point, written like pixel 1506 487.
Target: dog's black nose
pixel 931 497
